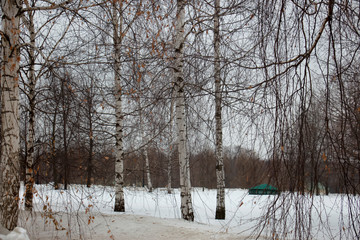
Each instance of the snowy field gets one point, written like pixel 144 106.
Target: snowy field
pixel 87 213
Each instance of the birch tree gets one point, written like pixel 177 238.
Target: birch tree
pixel 88 92
pixel 10 147
pixel 119 155
pixel 120 29
pixel 186 201
pixel 144 141
pixel 12 13
pixel 31 76
pixel 65 96
pixel 138 74
pixel 29 178
pixel 220 173
pixel 170 151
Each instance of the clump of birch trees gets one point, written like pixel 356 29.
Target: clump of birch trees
pixel 88 85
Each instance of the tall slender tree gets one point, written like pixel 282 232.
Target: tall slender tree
pixel 170 150
pixel 145 143
pixel 121 24
pixel 186 201
pixel 65 116
pixel 119 152
pixel 90 114
pixel 29 179
pixel 220 173
pixel 10 147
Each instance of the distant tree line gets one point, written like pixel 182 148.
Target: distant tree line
pixel 244 168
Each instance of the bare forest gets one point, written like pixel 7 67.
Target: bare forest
pixel 180 94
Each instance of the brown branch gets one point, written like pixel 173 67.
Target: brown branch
pixel 51 7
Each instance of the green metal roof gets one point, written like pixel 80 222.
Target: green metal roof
pixel 264 186
pixel 263 189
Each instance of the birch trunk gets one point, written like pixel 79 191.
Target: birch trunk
pixel 91 154
pixel 90 111
pixel 145 152
pixel 144 141
pixel 147 169
pixel 169 168
pixel 53 151
pixel 29 180
pixel 119 155
pixel 10 145
pixel 171 147
pixel 65 116
pixel 220 174
pixel 186 201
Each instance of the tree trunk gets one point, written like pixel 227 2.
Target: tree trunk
pixel 145 150
pixel 145 153
pixel 220 173
pixel 146 156
pixel 171 147
pixel 119 155
pixel 147 169
pixel 186 201
pixel 10 145
pixel 91 136
pixel 53 152
pixel 169 173
pixel 90 157
pixel 29 180
pixel 65 115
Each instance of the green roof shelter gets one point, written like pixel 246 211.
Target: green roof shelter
pixel 263 189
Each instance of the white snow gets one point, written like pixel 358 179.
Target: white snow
pixel 17 234
pixel 87 213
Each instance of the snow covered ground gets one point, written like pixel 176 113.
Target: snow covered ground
pixel 87 213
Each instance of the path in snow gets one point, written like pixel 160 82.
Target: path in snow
pixel 122 226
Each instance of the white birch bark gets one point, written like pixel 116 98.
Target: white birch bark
pixel 91 136
pixel 220 173
pixel 147 169
pixel 169 168
pixel 53 151
pixel 29 179
pixel 119 154
pixel 65 117
pixel 171 147
pixel 186 201
pixel 145 150
pixel 10 145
